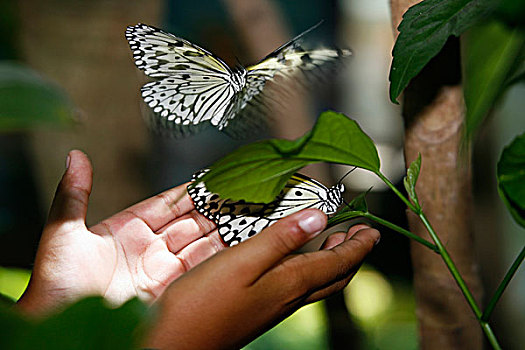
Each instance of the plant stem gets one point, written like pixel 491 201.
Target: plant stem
pixel 442 251
pixel 452 267
pixel 353 214
pixel 490 335
pixel 461 283
pixel 399 194
pixel 402 231
pixel 342 217
pixel 501 288
pixel 450 264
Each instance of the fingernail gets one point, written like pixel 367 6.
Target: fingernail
pixel 68 161
pixel 377 241
pixel 311 222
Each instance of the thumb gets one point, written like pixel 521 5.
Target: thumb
pixel 72 195
pixel 281 239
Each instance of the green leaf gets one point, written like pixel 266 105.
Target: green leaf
pixel 511 178
pixel 257 172
pixel 356 208
pixel 6 301
pixel 87 324
pixel 424 30
pixel 517 77
pixel 27 100
pixel 13 281
pixel 512 12
pixel 411 178
pixel 359 202
pixel 493 52
pixel 517 213
pixel 343 216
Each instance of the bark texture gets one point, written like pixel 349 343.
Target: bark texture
pixel 433 110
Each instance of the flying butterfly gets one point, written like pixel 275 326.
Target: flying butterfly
pixel 194 86
pixel 239 220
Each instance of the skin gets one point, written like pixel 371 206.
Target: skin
pixel 162 250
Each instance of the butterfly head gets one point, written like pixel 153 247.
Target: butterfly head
pixel 239 78
pixel 334 198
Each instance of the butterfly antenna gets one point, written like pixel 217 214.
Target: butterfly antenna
pixel 239 64
pixel 308 30
pixel 345 175
pixel 295 38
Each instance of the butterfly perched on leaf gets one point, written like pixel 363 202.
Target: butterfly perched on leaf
pixel 195 87
pixel 239 220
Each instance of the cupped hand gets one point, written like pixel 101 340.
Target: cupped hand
pixel 236 295
pixel 137 252
pixel 220 302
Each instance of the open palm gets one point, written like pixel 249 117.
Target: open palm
pixel 136 252
pixel 140 250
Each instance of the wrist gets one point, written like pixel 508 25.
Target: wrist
pixel 27 303
pixel 34 303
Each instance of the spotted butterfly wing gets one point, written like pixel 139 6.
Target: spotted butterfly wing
pixel 289 61
pixel 239 220
pixel 196 86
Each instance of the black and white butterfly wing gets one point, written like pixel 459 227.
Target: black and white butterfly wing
pixel 194 86
pixel 236 220
pixel 290 59
pixel 291 62
pixel 239 220
pixel 302 192
pixel 206 202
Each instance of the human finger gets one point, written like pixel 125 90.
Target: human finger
pixel 186 229
pixel 357 227
pixel 200 250
pixel 346 259
pixel 72 195
pixel 339 237
pixel 162 208
pixel 333 240
pixel 306 274
pixel 263 251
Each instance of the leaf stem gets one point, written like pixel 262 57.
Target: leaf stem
pixel 504 283
pixel 353 214
pixel 342 217
pixel 490 335
pixel 442 251
pixel 461 283
pixel 402 231
pixel 399 194
pixel 452 267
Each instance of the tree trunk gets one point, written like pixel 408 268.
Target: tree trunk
pixel 433 110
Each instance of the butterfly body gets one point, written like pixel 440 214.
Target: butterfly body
pixel 239 220
pixel 194 86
